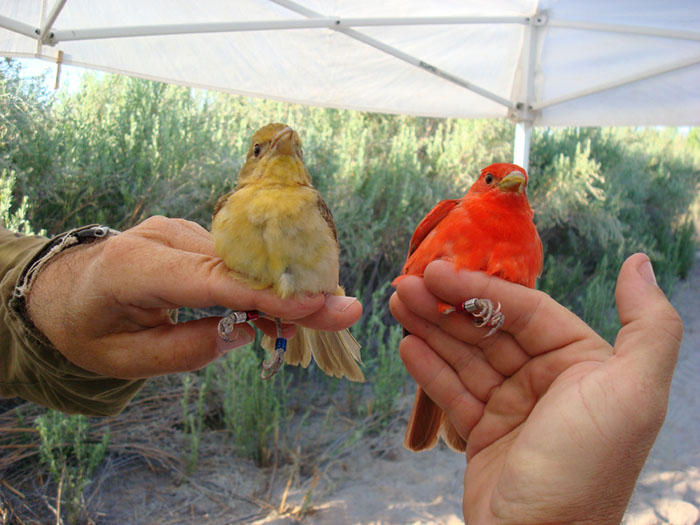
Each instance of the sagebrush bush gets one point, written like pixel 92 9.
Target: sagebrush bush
pixel 120 149
pixel 70 456
pixel 603 194
pixel 254 411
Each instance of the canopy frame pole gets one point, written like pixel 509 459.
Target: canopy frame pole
pixel 37 31
pixel 44 29
pixel 18 27
pixel 521 146
pixel 293 6
pixel 629 29
pixel 524 113
pixel 320 22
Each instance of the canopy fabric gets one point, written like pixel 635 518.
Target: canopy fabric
pixel 544 63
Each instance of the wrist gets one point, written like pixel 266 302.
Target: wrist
pixel 42 296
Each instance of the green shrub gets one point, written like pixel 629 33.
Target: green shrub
pixel 193 415
pixel 382 366
pixel 120 149
pixel 603 194
pixel 70 457
pixel 13 217
pixel 254 410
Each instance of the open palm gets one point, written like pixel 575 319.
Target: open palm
pixel 558 423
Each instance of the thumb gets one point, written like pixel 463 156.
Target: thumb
pixel 652 330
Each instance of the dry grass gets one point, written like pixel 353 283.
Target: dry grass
pixel 140 434
pixel 147 440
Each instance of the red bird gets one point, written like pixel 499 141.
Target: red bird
pixel 489 230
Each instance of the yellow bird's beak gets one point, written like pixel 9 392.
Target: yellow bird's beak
pixel 514 182
pixel 284 143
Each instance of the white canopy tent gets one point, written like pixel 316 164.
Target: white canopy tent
pixel 540 63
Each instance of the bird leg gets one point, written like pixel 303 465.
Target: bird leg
pixel 484 313
pixel 228 324
pixel 271 367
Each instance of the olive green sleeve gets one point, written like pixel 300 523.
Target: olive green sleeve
pixel 30 366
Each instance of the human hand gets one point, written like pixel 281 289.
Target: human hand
pixel 105 305
pixel 558 423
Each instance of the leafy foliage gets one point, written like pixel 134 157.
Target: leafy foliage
pixel 253 410
pixel 603 194
pixel 120 149
pixel 13 220
pixel 70 456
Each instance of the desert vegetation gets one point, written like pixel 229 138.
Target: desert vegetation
pixel 118 150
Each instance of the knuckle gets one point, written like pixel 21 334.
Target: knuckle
pixel 465 360
pixel 673 323
pixel 117 247
pixel 158 228
pixel 522 319
pixel 667 320
pixel 156 221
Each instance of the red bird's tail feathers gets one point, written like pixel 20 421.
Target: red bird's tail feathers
pixel 427 423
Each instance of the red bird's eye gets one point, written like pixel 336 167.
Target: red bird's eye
pixel 489 178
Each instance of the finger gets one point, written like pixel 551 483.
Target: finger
pixel 187 236
pixel 500 349
pixel 530 315
pixel 269 328
pixel 511 403
pixel 159 276
pixel 441 384
pixel 652 330
pixel 135 318
pixel 338 312
pixel 240 336
pixel 477 376
pixel 175 233
pixel 164 349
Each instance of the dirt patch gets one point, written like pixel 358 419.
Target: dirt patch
pixel 373 480
pixel 341 471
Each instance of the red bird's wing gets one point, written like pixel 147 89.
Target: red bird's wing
pixel 429 222
pixel 427 418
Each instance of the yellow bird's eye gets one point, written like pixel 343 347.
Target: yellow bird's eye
pixel 256 150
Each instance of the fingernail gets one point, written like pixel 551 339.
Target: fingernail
pixel 646 270
pixel 239 337
pixel 339 302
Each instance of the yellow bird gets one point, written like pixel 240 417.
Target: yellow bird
pixel 275 231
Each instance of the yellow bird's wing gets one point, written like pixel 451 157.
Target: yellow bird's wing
pixel 325 212
pixel 221 202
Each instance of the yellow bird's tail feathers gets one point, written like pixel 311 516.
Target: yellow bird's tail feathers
pixel 336 353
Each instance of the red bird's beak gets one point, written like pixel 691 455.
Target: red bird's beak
pixel 514 182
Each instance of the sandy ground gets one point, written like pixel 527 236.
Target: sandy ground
pixel 668 490
pixel 380 482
